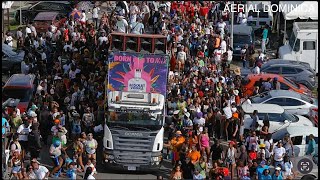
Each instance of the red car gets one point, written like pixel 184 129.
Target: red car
pixel 43 20
pixel 19 86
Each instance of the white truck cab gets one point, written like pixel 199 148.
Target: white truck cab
pixel 302 44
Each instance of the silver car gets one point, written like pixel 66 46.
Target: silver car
pixel 11 60
pixel 299 72
pixel 291 101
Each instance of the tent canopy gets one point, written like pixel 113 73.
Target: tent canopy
pixel 299 9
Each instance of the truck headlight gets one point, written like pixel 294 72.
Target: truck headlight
pixel 156 159
pixel 110 157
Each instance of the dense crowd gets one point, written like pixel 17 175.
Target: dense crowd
pixel 204 94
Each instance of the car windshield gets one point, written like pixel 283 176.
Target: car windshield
pixel 243 39
pixel 290 117
pixel 291 83
pixel 260 98
pixel 22 94
pixel 136 119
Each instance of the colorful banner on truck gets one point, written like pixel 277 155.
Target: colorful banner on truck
pixel 138 72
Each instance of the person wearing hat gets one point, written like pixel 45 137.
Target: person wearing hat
pixel 187 122
pixel 175 146
pixel 277 174
pixel 121 24
pixel 262 152
pixel 55 152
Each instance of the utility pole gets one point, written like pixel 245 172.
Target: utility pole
pixel 232 22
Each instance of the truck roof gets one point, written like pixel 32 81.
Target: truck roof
pixel 309 26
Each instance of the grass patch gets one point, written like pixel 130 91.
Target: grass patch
pixel 15 27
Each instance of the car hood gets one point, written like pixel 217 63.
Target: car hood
pixel 303 121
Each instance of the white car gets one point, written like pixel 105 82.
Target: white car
pixel 291 101
pixel 277 116
pixel 299 137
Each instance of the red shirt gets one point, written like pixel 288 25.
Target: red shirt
pixel 203 11
pixel 174 6
pixel 200 94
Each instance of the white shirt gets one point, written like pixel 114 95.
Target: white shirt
pixel 239 18
pixel 90 146
pixel 223 46
pixel 41 172
pixel 43 56
pixel 95 12
pixel 244 21
pixel 182 55
pixel 137 28
pixel 221 26
pixel 278 152
pixel 227 111
pixel 229 55
pixel 55 151
pixel 53 28
pixel 256 70
pixel 101 39
pixel 66 68
pixel 134 10
pixel 33 29
pixel 90 177
pixel 122 25
pixel 200 122
pixel 83 17
pixel 28 30
pixel 10 40
pixel 66 47
pixel 217 55
pixel 23 132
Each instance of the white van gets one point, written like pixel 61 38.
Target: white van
pixel 277 116
pixel 302 45
pixel 299 137
pixel 261 15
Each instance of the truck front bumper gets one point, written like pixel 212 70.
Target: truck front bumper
pixel 110 161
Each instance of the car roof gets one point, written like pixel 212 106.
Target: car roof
pixel 21 80
pixel 43 16
pixel 295 131
pixel 262 108
pixel 286 93
pixel 264 75
pixel 281 62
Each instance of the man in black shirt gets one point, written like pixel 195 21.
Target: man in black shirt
pixel 216 150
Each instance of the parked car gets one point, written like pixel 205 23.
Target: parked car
pixel 300 138
pixel 242 35
pixel 19 86
pixel 30 12
pixel 43 20
pixel 277 116
pixel 299 72
pixel 291 101
pixel 250 81
pixel 11 60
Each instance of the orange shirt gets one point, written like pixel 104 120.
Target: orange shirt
pixel 191 143
pixel 177 142
pixel 217 43
pixel 194 156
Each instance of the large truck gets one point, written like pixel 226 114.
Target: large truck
pixel 136 93
pixel 302 45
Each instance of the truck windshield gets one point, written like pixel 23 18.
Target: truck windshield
pixel 131 119
pixel 294 42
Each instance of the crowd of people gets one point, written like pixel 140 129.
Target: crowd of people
pixel 204 94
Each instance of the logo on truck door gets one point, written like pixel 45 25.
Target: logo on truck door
pixel 135 134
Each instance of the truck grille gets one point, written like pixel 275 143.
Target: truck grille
pixel 132 150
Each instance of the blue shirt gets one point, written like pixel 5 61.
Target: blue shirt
pixel 5 125
pixel 265 177
pixel 274 177
pixel 311 146
pixel 260 171
pixel 265 34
